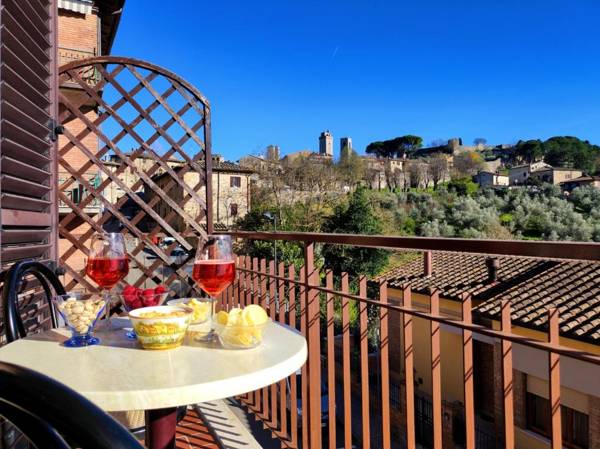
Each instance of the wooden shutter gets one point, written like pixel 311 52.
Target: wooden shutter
pixel 27 149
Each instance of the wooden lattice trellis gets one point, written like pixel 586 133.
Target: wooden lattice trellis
pixel 132 111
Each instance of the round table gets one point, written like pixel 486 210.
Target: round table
pixel 118 375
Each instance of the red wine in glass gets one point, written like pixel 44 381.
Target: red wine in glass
pixel 214 268
pixel 107 263
pixel 107 271
pixel 214 276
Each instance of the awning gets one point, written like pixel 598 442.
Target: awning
pixel 80 6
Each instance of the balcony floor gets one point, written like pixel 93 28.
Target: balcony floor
pixel 222 424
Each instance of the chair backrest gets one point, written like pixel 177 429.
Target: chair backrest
pixel 13 280
pixel 49 413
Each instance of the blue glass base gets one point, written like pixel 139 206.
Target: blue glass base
pixel 79 341
pixel 131 335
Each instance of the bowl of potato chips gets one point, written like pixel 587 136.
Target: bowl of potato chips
pixel 241 328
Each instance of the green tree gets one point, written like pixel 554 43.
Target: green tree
pixel 351 168
pixel 529 150
pixel 467 163
pixel 397 147
pixel 355 217
pixel 568 151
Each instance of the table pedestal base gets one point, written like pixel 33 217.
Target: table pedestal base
pixel 160 428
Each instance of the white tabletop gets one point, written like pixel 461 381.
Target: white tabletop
pixel 118 375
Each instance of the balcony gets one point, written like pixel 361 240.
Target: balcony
pixel 89 75
pixel 398 362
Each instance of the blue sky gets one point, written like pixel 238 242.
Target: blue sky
pixel 280 72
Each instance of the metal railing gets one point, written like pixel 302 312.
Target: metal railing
pixel 90 75
pixel 297 296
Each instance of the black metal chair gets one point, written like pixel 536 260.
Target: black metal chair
pixel 13 280
pixel 49 413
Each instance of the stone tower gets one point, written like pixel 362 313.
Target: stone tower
pixel 326 144
pixel 273 152
pixel 345 147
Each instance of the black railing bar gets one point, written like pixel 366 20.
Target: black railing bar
pixel 519 248
pixel 525 341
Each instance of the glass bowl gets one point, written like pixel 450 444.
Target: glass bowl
pixel 241 336
pixel 132 300
pixel 161 327
pixel 204 308
pixel 145 298
pixel 80 311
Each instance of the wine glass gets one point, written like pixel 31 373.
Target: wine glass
pixel 214 268
pixel 107 263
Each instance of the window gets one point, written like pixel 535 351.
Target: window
pixel 575 425
pixel 235 181
pixel 233 210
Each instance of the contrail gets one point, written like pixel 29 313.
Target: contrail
pixel 334 52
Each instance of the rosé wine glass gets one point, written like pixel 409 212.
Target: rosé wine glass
pixel 107 263
pixel 214 269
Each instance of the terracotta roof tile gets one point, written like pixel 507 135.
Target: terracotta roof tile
pixel 531 285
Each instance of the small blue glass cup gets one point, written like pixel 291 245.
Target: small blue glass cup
pixel 80 311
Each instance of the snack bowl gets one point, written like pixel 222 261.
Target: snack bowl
pixel 80 311
pixel 203 308
pixel 161 327
pixel 240 336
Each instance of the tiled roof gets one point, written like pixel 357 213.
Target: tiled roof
pixel 531 285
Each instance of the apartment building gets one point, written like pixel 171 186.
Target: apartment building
pixel 531 286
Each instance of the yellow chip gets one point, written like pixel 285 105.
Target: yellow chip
pixel 222 317
pixel 254 315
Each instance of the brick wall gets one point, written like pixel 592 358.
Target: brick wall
pixel 78 31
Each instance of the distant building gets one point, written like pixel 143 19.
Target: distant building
pixel 519 174
pixel 345 147
pixel 491 179
pixel 273 152
pixel 568 186
pixel 326 144
pixel 555 175
pixel 230 194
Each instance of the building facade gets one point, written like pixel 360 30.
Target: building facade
pixel 518 281
pixel 569 185
pixel 519 175
pixel 86 28
pixel 230 195
pixel 555 176
pixel 491 179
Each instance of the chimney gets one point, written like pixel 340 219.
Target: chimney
pixel 427 263
pixel 493 264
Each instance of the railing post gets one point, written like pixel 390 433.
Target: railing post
pixel 385 366
pixel 407 326
pixel 314 347
pixel 436 372
pixel 468 374
pixel 507 379
pixel 554 377
pixel 346 363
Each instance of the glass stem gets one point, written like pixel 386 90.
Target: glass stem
pixel 106 295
